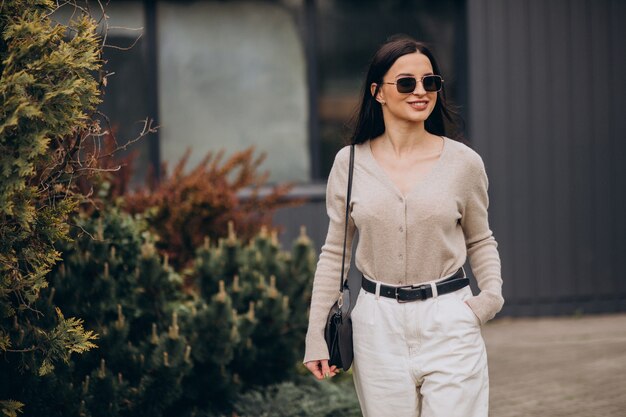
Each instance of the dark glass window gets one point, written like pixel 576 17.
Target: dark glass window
pixel 126 95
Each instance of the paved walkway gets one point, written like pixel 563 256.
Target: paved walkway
pixel 557 367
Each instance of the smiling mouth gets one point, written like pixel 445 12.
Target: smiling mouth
pixel 418 105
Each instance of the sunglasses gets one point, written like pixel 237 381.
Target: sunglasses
pixel 406 85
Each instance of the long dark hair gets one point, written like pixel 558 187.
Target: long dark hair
pixel 368 122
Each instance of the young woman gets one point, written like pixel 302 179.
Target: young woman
pixel 419 201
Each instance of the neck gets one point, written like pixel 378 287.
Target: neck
pixel 405 137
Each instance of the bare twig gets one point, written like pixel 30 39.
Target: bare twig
pixel 117 168
pixel 126 28
pixel 85 231
pixel 32 349
pixel 121 48
pixel 146 130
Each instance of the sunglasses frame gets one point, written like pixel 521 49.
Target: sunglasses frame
pixel 416 81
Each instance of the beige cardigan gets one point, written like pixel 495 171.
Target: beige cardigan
pixel 407 240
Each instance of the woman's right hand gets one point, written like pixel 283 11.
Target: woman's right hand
pixel 320 368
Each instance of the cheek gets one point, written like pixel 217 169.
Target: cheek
pixel 432 104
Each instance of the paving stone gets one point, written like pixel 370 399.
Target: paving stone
pixel 553 367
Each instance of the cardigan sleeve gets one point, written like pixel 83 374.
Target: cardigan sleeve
pixel 481 245
pixel 327 274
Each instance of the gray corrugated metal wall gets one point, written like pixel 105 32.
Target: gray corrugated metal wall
pixel 547 113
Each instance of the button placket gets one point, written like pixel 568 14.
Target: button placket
pixel 402 229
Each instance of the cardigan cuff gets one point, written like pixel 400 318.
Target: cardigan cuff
pixel 315 348
pixel 486 305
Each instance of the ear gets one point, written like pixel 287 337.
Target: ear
pixel 377 93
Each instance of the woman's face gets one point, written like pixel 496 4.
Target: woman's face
pixel 415 106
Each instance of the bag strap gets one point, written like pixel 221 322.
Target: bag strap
pixel 345 229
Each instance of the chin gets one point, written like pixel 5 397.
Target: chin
pixel 417 117
pixel 413 116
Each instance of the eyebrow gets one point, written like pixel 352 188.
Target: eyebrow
pixel 412 75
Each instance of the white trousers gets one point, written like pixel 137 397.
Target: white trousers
pixel 424 358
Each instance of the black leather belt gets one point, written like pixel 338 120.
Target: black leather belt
pixel 408 293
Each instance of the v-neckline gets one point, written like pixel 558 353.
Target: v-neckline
pixel 386 177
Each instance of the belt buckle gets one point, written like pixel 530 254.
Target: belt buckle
pixel 419 288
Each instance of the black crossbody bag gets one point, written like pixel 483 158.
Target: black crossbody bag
pixel 338 331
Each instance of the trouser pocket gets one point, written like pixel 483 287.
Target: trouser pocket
pixel 455 307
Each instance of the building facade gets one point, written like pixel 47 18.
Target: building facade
pixel 539 83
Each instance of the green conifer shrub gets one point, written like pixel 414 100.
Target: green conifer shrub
pixel 166 349
pixel 48 96
pixel 302 397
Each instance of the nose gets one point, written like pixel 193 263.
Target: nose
pixel 419 88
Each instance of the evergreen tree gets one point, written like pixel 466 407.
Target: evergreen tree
pixel 256 278
pixel 166 349
pixel 48 94
pixel 113 276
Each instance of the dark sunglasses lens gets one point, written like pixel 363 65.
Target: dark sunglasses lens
pixel 406 85
pixel 432 83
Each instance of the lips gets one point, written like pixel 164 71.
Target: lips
pixel 419 104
